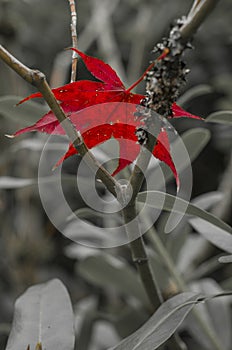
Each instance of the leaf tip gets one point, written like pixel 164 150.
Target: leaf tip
pixel 22 101
pixel 10 136
pixel 177 185
pixel 55 167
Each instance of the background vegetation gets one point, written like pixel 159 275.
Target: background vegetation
pixel 122 33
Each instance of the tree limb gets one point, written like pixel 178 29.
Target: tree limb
pixel 196 16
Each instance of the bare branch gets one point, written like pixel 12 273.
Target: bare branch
pixel 73 26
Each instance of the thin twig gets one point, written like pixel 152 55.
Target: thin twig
pixel 73 26
pixel 38 79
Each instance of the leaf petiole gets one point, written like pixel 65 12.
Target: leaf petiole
pixel 164 54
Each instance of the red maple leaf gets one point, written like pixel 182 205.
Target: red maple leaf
pixel 111 116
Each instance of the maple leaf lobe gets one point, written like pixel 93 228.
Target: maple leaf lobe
pixel 112 116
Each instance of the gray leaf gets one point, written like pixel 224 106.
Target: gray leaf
pixel 161 325
pixel 105 270
pixel 225 259
pixel 222 117
pixel 43 314
pixel 168 202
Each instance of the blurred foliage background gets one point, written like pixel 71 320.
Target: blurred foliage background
pixel 122 33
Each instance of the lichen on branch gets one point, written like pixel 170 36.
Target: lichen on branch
pixel 165 79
